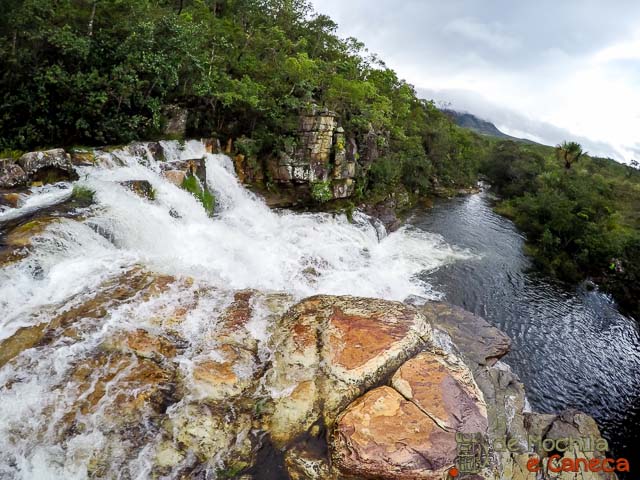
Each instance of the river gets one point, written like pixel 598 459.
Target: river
pixel 571 348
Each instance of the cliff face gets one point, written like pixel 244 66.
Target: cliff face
pixel 324 162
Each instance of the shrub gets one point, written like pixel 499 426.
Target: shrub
pixel 82 194
pixel 321 192
pixel 192 185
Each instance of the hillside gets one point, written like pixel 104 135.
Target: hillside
pixel 479 126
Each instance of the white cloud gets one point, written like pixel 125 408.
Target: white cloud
pixel 629 50
pixel 492 35
pixel 558 79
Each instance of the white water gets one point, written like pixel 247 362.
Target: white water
pixel 37 198
pixel 246 245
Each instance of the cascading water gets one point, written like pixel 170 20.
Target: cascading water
pixel 245 246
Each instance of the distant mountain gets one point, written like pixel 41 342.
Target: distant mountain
pixel 478 125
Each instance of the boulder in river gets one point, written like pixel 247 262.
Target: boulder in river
pixel 329 350
pixel 12 175
pixel 383 435
pixel 48 166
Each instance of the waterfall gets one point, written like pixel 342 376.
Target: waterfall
pixel 245 245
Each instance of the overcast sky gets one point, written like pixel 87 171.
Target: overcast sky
pixel 550 70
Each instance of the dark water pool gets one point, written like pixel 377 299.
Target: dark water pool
pixel 571 346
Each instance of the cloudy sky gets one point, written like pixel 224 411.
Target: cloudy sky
pixel 550 70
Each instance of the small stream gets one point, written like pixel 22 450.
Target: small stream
pixel 571 346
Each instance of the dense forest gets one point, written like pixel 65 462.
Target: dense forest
pixel 96 72
pixel 81 72
pixel 580 213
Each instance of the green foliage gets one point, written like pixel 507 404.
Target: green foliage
pixel 74 74
pixel 385 174
pixel 579 221
pixel 247 146
pixel 513 168
pixel 192 185
pixel 321 191
pixel 569 153
pixel 82 194
pixel 9 153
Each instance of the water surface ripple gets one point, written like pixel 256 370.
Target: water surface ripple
pixel 571 346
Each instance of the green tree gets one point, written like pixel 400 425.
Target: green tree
pixel 569 153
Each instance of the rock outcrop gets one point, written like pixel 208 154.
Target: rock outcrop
pixel 39 167
pixel 341 388
pixel 48 165
pixel 330 350
pixel 11 174
pixel 175 118
pixel 383 435
pixel 323 155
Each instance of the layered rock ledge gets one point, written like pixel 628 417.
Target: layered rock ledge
pixel 341 388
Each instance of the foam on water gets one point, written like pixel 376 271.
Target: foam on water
pixel 245 245
pixel 38 198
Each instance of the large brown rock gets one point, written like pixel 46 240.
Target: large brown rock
pixel 48 165
pixel 444 389
pixel 383 436
pixel 329 350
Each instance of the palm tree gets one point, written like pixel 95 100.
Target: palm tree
pixel 569 153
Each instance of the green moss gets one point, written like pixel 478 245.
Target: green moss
pixel 233 470
pixel 9 153
pixel 172 136
pixel 82 194
pixel 321 192
pixel 192 185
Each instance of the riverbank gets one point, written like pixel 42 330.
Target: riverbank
pixel 572 347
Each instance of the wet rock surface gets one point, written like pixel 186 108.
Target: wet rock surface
pixel 48 165
pixel 476 339
pixel 142 188
pixel 341 387
pixel 382 435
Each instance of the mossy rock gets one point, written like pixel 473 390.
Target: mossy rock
pixel 192 184
pixel 142 188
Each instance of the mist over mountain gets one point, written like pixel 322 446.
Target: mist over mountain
pixel 479 125
pixel 515 124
